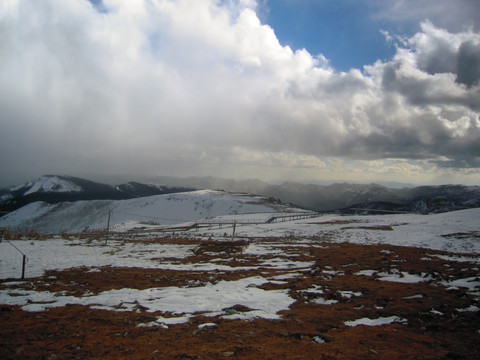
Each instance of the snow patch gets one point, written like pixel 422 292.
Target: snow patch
pixel 395 276
pixel 375 322
pixel 470 283
pixel 176 300
pixel 206 325
pixel 471 308
pixel 323 301
pixel 418 296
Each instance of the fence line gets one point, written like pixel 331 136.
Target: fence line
pixel 219 223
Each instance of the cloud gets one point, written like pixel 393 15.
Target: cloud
pixel 468 63
pixel 438 51
pixel 182 87
pixel 454 16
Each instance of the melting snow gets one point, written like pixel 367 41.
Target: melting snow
pixel 403 277
pixel 349 294
pixel 59 254
pixel 202 326
pixel 395 276
pixel 470 308
pixel 176 300
pixel 470 283
pixel 418 296
pixel 323 301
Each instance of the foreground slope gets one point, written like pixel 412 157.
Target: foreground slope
pixel 262 298
pixel 334 287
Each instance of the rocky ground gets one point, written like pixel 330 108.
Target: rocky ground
pixel 428 302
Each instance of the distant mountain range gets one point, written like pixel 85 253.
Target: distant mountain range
pixel 348 198
pixel 345 197
pixel 54 189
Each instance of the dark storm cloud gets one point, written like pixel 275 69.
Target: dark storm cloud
pixel 468 63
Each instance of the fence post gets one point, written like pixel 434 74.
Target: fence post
pixel 234 226
pixel 23 266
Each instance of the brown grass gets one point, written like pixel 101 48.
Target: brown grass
pixel 79 332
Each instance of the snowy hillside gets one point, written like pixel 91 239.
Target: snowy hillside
pixel 177 208
pixel 43 184
pixel 54 189
pixel 49 184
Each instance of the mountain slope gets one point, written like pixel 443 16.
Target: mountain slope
pixel 54 189
pixel 72 217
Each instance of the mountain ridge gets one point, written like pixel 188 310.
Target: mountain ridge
pixel 54 189
pixel 344 197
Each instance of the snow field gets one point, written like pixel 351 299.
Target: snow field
pixel 212 298
pixel 59 254
pixel 436 231
pixel 205 299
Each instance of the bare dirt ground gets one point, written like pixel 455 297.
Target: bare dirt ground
pixel 434 324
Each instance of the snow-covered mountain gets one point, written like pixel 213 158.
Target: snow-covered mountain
pixel 47 184
pixel 72 217
pixel 53 189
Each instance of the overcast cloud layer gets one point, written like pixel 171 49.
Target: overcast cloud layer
pixel 203 88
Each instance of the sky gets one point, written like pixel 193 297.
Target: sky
pixel 277 90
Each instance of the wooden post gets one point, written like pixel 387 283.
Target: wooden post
pixel 234 226
pixel 23 266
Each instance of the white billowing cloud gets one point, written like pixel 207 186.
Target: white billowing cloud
pixel 202 87
pixel 441 98
pixel 438 51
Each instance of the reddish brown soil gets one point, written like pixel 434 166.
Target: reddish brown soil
pixel 79 332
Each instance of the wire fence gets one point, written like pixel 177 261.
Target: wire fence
pixel 182 226
pixel 185 225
